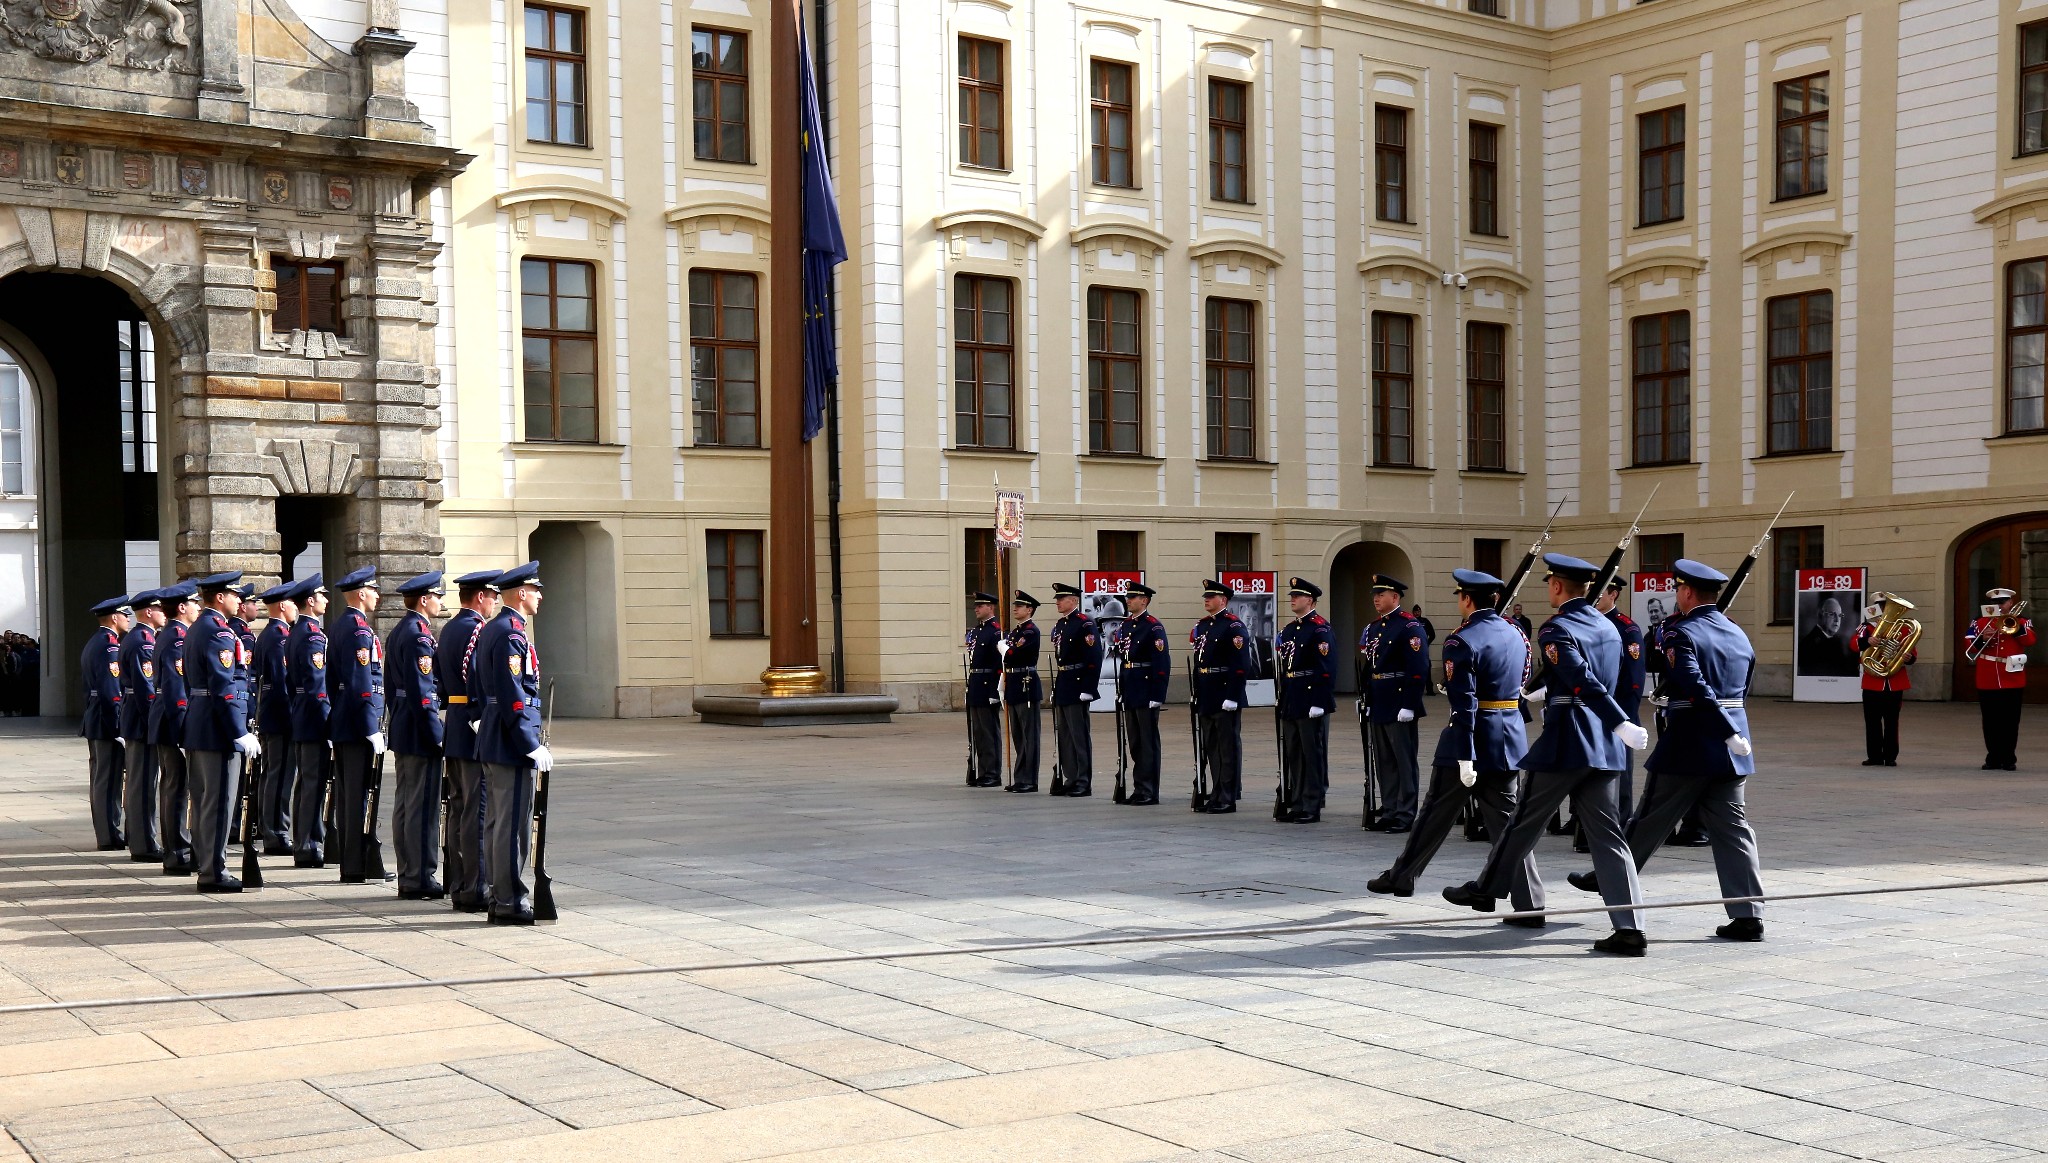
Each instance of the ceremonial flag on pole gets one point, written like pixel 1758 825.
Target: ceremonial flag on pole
pixel 824 245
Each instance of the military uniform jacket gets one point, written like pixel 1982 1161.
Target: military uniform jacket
pixel 138 682
pixel 451 654
pixel 216 681
pixel 167 711
pixel 504 672
pixel 248 638
pixel 355 680
pixel 1628 690
pixel 1221 663
pixel 1486 661
pixel 1994 673
pixel 984 664
pixel 1582 655
pixel 1308 675
pixel 306 673
pixel 1397 666
pixel 415 718
pixel 1076 659
pixel 1707 664
pixel 1147 667
pixel 273 690
pixel 1020 666
pixel 99 666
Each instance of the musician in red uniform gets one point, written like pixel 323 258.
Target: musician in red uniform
pixel 2001 676
pixel 1883 695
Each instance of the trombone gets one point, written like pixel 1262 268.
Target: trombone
pixel 2007 625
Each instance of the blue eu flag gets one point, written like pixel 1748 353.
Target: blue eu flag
pixel 824 246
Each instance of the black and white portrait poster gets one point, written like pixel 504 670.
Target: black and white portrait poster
pixel 1827 609
pixel 1102 598
pixel 1257 605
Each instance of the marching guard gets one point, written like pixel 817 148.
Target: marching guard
pixel 416 739
pixel 355 695
pixel 1486 662
pixel 274 717
pixel 216 726
pixel 1141 689
pixel 1308 693
pixel 1628 689
pixel 167 727
pixel 1998 643
pixel 1220 671
pixel 504 670
pixel 306 672
pixel 1022 691
pixel 985 646
pixel 464 876
pixel 138 690
pixel 1077 673
pixel 99 668
pixel 1396 655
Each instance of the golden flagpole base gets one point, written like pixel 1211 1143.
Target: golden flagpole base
pixel 783 681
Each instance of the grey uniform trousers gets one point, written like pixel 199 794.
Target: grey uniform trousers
pixel 466 798
pixel 510 836
pixel 280 765
pixel 309 829
pixel 985 737
pixel 1223 754
pixel 1024 740
pixel 416 820
pixel 212 775
pixel 1070 730
pixel 174 803
pixel 1305 758
pixel 1141 734
pixel 1496 792
pixel 107 762
pixel 138 797
pixel 1719 799
pixel 354 771
pixel 1593 797
pixel 1394 758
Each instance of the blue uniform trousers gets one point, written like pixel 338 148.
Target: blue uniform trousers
pixel 416 819
pixel 280 764
pixel 1070 728
pixel 1394 761
pixel 309 829
pixel 1024 739
pixel 174 805
pixel 1222 754
pixel 1141 734
pixel 107 761
pixel 985 739
pixel 1305 755
pixel 138 796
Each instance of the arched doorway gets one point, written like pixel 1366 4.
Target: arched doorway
pixel 1350 604
pixel 576 631
pixel 2011 552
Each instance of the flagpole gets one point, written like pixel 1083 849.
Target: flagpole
pixel 832 467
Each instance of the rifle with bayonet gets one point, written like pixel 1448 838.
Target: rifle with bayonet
pixel 543 884
pixel 1514 586
pixel 1734 586
pixel 1613 564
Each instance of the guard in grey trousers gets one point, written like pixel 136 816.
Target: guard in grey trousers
pixel 167 728
pixel 1022 691
pixel 415 731
pixel 99 668
pixel 273 713
pixel 463 771
pixel 1578 757
pixel 138 692
pixel 504 671
pixel 306 675
pixel 216 726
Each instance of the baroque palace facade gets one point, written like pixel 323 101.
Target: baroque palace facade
pixel 1321 289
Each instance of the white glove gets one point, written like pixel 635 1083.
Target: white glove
pixel 248 745
pixel 1156 706
pixel 470 723
pixel 1739 745
pixel 1468 772
pixel 1633 735
pixel 1229 704
pixel 996 702
pixel 376 743
pixel 543 759
pixel 1002 646
pixel 1405 716
pixel 1087 698
pixel 1537 696
pixel 1316 712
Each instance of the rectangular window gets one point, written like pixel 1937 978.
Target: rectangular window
pixel 1393 389
pixel 308 296
pixel 555 67
pixel 984 358
pixel 1485 8
pixel 718 85
pixel 1801 367
pixel 136 344
pixel 558 348
pixel 1660 166
pixel 1658 552
pixel 1489 555
pixel 1802 136
pixel 2026 328
pixel 1119 550
pixel 1484 167
pixel 1235 551
pixel 11 476
pixel 981 103
pixel 1390 163
pixel 732 582
pixel 1662 384
pixel 2033 87
pixel 1115 372
pixel 725 351
pixel 1229 112
pixel 1230 370
pixel 1109 123
pixel 1486 396
pixel 980 555
pixel 1791 551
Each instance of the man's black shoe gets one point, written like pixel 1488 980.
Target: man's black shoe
pixel 1304 817
pixel 1142 802
pixel 469 903
pixel 1524 922
pixel 277 849
pixel 1691 840
pixel 116 846
pixel 1873 763
pixel 1468 895
pixel 1081 793
pixel 1891 763
pixel 1025 789
pixel 1622 943
pixel 153 856
pixel 1398 829
pixel 432 892
pixel 520 917
pixel 1585 881
pixel 1224 808
pixel 1741 929
pixel 304 859
pixel 179 868
pixel 1386 884
pixel 224 884
pixel 989 783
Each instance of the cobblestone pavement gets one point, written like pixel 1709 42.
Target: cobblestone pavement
pixel 1903 1027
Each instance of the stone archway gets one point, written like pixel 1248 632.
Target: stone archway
pixel 2011 552
pixel 1350 601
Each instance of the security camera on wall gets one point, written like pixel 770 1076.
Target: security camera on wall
pixel 1461 282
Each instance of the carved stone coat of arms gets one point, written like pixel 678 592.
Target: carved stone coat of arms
pixel 154 35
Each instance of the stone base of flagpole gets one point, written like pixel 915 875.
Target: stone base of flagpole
pixel 766 710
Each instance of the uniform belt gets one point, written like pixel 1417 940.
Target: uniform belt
pixel 981 672
pixel 1020 670
pixel 1734 703
pixel 1567 701
pixel 1392 674
pixel 454 699
pixel 1302 673
pixel 1212 670
pixel 1499 704
pixel 1075 666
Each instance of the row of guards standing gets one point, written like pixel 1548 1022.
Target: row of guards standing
pixel 180 681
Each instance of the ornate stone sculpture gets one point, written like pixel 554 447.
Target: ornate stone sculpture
pixel 130 34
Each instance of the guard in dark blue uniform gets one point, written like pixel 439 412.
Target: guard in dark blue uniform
pixel 1703 757
pixel 99 668
pixel 1396 653
pixel 1023 691
pixel 1221 666
pixel 355 721
pixel 1578 756
pixel 1628 690
pixel 504 671
pixel 1077 673
pixel 464 772
pixel 274 718
pixel 306 674
pixel 167 727
pixel 1142 678
pixel 415 738
pixel 138 691
pixel 985 645
pixel 216 726
pixel 1307 695
pixel 1486 662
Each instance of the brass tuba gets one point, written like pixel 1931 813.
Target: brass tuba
pixel 1892 640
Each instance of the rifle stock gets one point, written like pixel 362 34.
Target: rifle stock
pixel 1121 753
pixel 373 845
pixel 543 884
pixel 252 799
